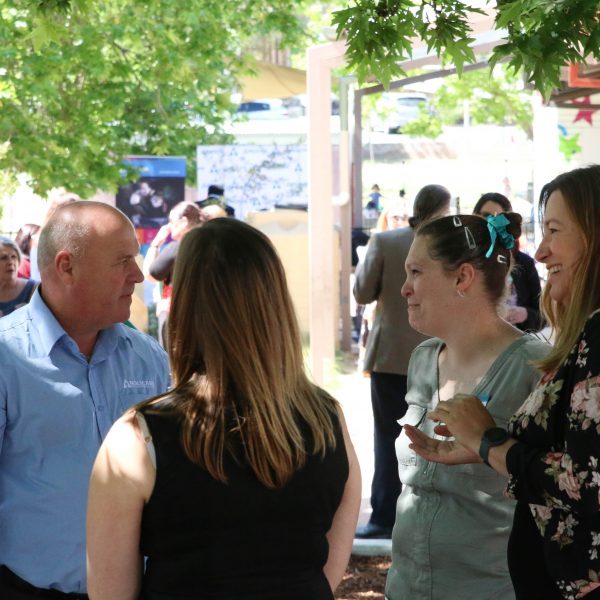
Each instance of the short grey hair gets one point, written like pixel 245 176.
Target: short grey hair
pixel 6 241
pixel 62 234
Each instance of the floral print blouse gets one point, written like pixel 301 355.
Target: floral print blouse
pixel 555 469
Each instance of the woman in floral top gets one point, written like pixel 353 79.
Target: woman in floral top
pixel 551 451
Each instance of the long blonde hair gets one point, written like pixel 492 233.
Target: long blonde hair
pixel 236 357
pixel 580 189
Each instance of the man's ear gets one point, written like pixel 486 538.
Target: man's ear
pixel 64 263
pixel 464 277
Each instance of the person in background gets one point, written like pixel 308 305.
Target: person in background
pixel 523 304
pixel 392 217
pixel 359 239
pixel 158 265
pixel 242 481
pixel 390 342
pixel 55 199
pixel 213 211
pixel 15 291
pixel 70 368
pixel 374 197
pixel 23 239
pixel 216 196
pixel 456 272
pixel 550 451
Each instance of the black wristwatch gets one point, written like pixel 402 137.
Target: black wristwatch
pixel 495 436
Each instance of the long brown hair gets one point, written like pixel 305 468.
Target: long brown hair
pixel 580 189
pixel 236 357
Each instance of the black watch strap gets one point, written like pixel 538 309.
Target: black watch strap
pixel 495 436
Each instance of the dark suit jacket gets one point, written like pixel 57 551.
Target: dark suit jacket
pixel 527 285
pixel 391 339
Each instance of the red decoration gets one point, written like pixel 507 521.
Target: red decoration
pixel 576 81
pixel 584 115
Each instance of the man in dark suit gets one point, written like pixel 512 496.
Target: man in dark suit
pixel 389 346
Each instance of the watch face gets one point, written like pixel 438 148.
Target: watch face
pixel 496 435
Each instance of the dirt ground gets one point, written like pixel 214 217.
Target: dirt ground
pixel 364 578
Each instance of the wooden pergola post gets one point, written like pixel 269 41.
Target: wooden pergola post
pixel 322 271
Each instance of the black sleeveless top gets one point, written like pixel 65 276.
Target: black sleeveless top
pixel 205 539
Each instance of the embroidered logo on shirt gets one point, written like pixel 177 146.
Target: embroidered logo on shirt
pixel 136 383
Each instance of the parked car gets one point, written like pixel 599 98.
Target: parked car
pixel 269 108
pixel 400 109
pixel 302 100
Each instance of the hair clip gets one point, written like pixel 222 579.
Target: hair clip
pixel 497 228
pixel 470 239
pixel 457 222
pixel 502 259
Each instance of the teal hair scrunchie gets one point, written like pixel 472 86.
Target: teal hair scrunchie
pixel 497 228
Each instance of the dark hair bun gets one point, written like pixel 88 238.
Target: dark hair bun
pixel 514 228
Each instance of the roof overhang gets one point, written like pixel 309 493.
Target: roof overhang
pixel 578 81
pixel 273 81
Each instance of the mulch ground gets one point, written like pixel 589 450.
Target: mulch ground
pixel 364 578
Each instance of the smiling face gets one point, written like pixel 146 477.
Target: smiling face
pixel 428 289
pixel 9 264
pixel 561 248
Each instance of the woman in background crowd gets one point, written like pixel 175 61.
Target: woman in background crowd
pixel 523 303
pixel 160 261
pixel 241 482
pixel 551 450
pixel 15 291
pixel 23 240
pixel 452 526
pixel 393 216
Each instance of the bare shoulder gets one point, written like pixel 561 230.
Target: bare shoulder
pixel 124 454
pixel 124 432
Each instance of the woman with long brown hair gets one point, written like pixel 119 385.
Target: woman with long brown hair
pixel 240 482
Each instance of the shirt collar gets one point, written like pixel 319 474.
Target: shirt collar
pixel 51 331
pixel 107 341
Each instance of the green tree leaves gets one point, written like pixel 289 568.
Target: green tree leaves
pixel 84 84
pixel 541 35
pixel 379 34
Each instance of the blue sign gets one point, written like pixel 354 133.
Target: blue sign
pixel 158 166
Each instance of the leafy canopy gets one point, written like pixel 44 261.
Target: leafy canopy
pixel 85 83
pixel 541 35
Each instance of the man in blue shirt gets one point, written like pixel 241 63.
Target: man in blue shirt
pixel 69 369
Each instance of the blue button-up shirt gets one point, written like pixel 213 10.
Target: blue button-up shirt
pixel 55 410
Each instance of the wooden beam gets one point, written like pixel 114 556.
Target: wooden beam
pixel 323 273
pixel 576 80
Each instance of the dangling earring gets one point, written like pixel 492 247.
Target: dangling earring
pixel 460 293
